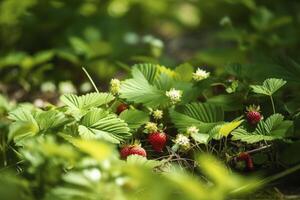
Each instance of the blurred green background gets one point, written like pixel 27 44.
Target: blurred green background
pixel 51 40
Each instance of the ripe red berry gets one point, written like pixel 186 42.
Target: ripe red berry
pixel 137 150
pixel 243 156
pixel 157 140
pixel 247 160
pixel 124 152
pixel 132 150
pixel 253 117
pixel 121 108
pixel 253 114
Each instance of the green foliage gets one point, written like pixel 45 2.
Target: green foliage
pixel 269 86
pixel 273 128
pixel 79 105
pixel 203 116
pixel 134 118
pixel 70 151
pixel 100 124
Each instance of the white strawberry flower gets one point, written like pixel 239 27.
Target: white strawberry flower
pixel 183 141
pixel 192 130
pixel 115 85
pixel 174 95
pixel 151 127
pixel 200 74
pixel 157 114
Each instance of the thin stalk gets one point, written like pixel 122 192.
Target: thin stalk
pixel 90 79
pixel 266 180
pixel 280 175
pixel 273 106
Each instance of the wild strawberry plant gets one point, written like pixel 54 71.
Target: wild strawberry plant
pixel 106 144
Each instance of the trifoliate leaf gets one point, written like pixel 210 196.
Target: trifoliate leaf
pixel 269 86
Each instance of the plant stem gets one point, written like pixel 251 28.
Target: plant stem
pixel 281 174
pixel 273 106
pixel 91 80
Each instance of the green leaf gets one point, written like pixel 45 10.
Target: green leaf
pixel 149 71
pixel 204 112
pixel 269 86
pixel 200 137
pixel 95 148
pixel 79 105
pixel 50 119
pixel 227 128
pixel 140 160
pixel 202 115
pixel 250 138
pixel 100 124
pixel 24 126
pixel 134 118
pixel 139 90
pixel 185 72
pixel 271 129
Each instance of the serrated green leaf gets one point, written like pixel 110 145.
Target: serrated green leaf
pixel 139 90
pixel 79 105
pixel 149 71
pixel 269 86
pixel 100 124
pixel 203 116
pixel 24 124
pixel 274 127
pixel 134 118
pixel 250 138
pixel 50 119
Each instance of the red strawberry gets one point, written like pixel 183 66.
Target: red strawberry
pixel 132 150
pixel 124 152
pixel 157 140
pixel 243 156
pixel 253 115
pixel 137 150
pixel 121 108
pixel 247 159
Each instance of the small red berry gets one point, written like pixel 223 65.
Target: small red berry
pixel 243 156
pixel 247 160
pixel 124 152
pixel 132 150
pixel 157 140
pixel 137 150
pixel 121 108
pixel 253 115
